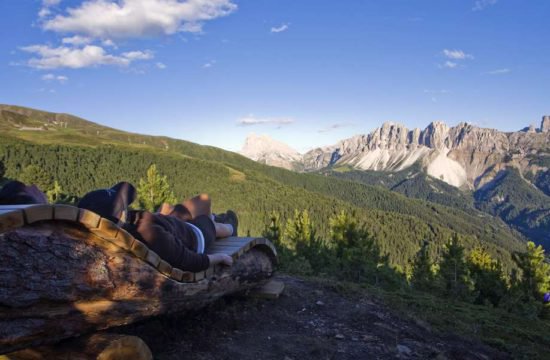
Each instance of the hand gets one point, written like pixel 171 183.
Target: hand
pixel 220 259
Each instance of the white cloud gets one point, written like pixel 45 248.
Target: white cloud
pixel 456 54
pixel 161 66
pixel 482 4
pixel 50 2
pixel 499 72
pixel 108 19
pixel 335 127
pixel 109 43
pixel 449 65
pixel 76 58
pixel 76 40
pixel 209 64
pixel 283 27
pixel 138 55
pixel 45 10
pixel 51 77
pixel 251 120
pixel 443 91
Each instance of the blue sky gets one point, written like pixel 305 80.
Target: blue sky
pixel 306 72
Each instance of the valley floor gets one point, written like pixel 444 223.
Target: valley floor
pixel 313 319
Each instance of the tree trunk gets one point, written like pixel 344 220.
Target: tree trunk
pixel 94 347
pixel 59 280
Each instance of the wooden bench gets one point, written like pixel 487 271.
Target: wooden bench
pixel 16 216
pixel 66 271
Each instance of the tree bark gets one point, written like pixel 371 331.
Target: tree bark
pixel 58 280
pixel 94 347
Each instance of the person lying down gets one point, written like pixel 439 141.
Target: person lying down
pixel 179 234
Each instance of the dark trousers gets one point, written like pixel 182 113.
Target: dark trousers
pixel 207 227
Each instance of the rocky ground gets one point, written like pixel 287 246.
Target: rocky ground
pixel 311 320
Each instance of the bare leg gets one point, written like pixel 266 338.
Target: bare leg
pixel 223 230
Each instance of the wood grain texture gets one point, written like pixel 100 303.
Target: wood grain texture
pixel 59 280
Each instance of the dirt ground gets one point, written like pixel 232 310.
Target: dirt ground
pixel 310 320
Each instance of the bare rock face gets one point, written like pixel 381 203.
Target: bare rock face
pixel 464 156
pixel 266 150
pixel 545 124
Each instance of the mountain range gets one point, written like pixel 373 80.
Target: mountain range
pixel 506 174
pixel 82 155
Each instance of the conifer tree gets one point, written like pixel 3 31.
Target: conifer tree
pixel 535 278
pixel 453 271
pixel 273 230
pixel 423 277
pixel 487 275
pixel 357 252
pixel 2 170
pixel 55 195
pixel 154 190
pixel 298 232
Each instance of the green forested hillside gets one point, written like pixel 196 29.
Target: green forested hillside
pixel 82 156
pixel 518 203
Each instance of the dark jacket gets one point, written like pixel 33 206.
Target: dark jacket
pixel 171 238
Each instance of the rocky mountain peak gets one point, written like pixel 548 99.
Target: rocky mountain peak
pixel 545 124
pixel 265 149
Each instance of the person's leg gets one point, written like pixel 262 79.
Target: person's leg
pixel 223 230
pixel 199 205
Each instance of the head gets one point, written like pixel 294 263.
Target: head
pixel 112 203
pixel 17 193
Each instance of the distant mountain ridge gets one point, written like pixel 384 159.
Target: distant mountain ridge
pixel 506 174
pixel 464 156
pixel 266 150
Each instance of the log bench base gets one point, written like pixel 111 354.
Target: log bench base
pixel 65 272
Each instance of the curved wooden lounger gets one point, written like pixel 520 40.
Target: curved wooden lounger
pixel 66 271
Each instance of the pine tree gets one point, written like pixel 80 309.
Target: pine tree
pixel 55 195
pixel 535 278
pixel 298 232
pixel 453 271
pixel 273 230
pixel 356 251
pixel 422 277
pixel 154 190
pixel 487 275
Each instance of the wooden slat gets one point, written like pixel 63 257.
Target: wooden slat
pixel 187 276
pixel 165 268
pixel 11 219
pixel 223 250
pixel 152 258
pixel 38 213
pixel 65 212
pixel 88 218
pixel 106 229
pixel 199 276
pixel 124 239
pixel 177 274
pixel 235 240
pixel 139 249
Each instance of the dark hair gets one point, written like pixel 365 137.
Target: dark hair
pixel 14 192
